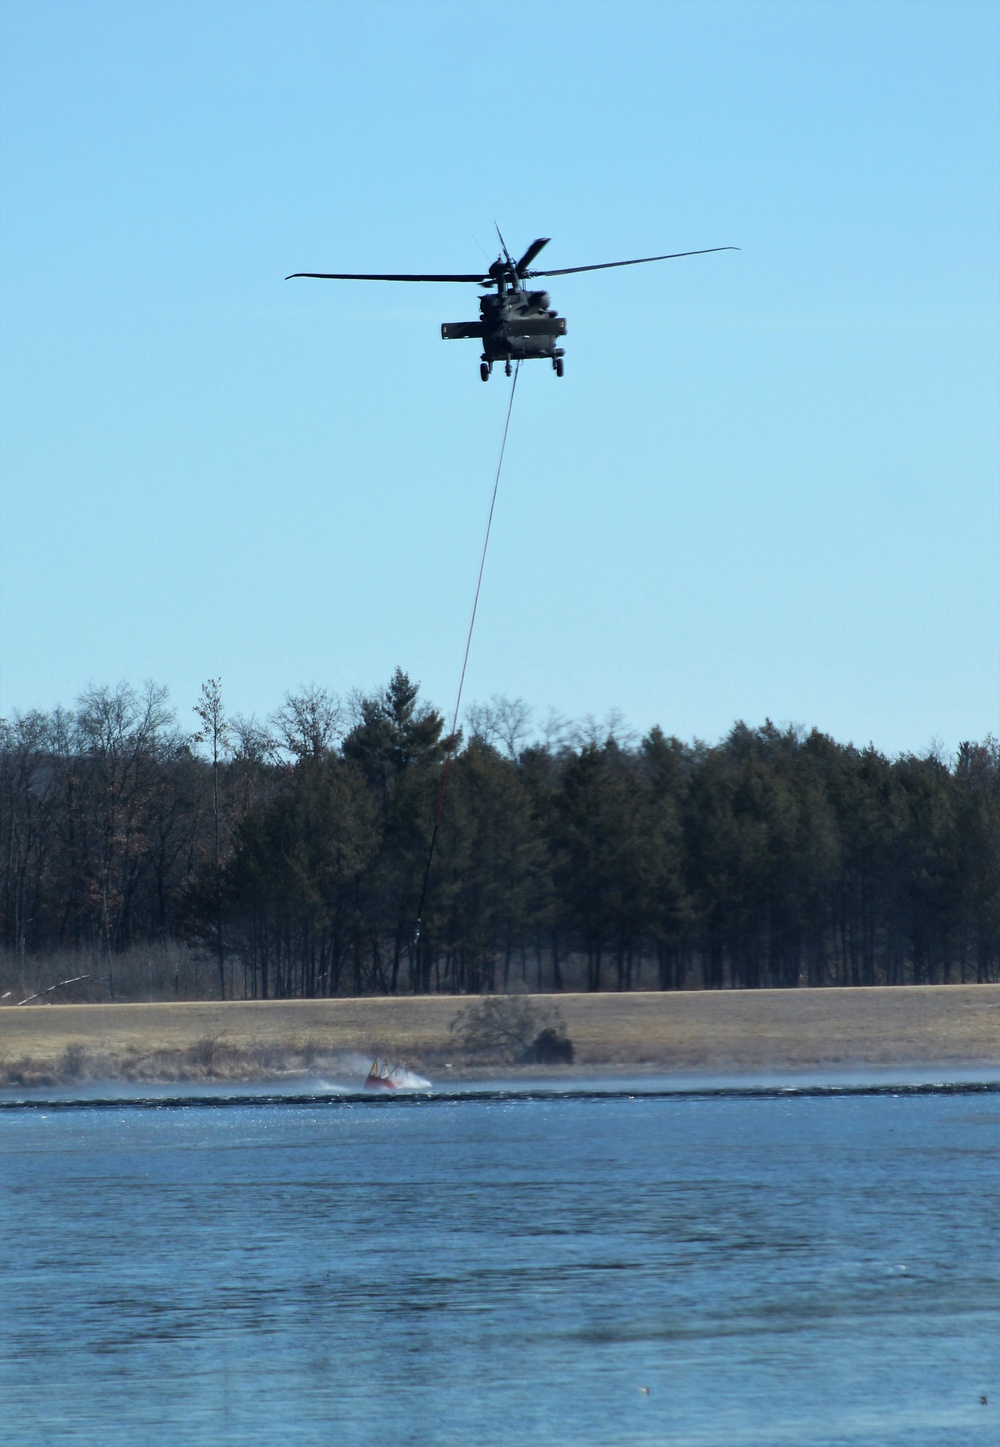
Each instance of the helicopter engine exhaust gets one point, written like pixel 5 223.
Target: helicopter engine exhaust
pixel 538 326
pixel 524 326
pixel 461 331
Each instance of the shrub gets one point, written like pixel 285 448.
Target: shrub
pixel 506 1027
pixel 549 1047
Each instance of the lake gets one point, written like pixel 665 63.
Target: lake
pixel 606 1263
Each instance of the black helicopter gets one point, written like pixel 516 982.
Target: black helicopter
pixel 514 323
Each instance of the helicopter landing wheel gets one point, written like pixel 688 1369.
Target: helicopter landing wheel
pixel 558 364
pixel 484 371
pixel 507 369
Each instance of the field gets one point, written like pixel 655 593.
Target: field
pixel 687 1031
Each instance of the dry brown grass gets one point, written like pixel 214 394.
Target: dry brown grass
pixel 697 1030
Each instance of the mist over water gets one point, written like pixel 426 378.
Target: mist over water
pixel 794 1263
pixel 344 1077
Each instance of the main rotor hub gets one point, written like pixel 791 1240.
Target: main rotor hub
pixel 503 274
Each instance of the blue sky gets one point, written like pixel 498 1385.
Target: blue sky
pixel 766 487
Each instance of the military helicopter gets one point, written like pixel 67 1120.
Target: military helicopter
pixel 514 323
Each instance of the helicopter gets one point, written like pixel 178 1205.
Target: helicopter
pixel 515 323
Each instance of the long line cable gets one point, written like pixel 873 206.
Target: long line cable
pixel 465 663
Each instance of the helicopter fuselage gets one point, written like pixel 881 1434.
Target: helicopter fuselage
pixel 514 325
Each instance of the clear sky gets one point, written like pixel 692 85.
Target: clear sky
pixel 766 487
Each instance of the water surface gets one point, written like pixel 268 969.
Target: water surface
pixel 804 1261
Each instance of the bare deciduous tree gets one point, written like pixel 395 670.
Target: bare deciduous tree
pixel 215 733
pixel 309 723
pixel 504 723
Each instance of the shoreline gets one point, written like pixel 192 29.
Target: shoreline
pixel 669 1032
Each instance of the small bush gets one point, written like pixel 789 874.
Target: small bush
pixel 503 1027
pixel 74 1062
pixel 204 1053
pixel 549 1047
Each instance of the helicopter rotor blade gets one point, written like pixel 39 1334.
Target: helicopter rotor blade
pixel 510 259
pixel 531 253
pixel 637 261
pixel 476 277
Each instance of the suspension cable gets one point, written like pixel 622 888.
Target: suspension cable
pixel 465 663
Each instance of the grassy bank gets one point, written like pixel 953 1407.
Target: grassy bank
pixel 697 1030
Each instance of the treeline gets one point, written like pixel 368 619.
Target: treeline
pixel 295 853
